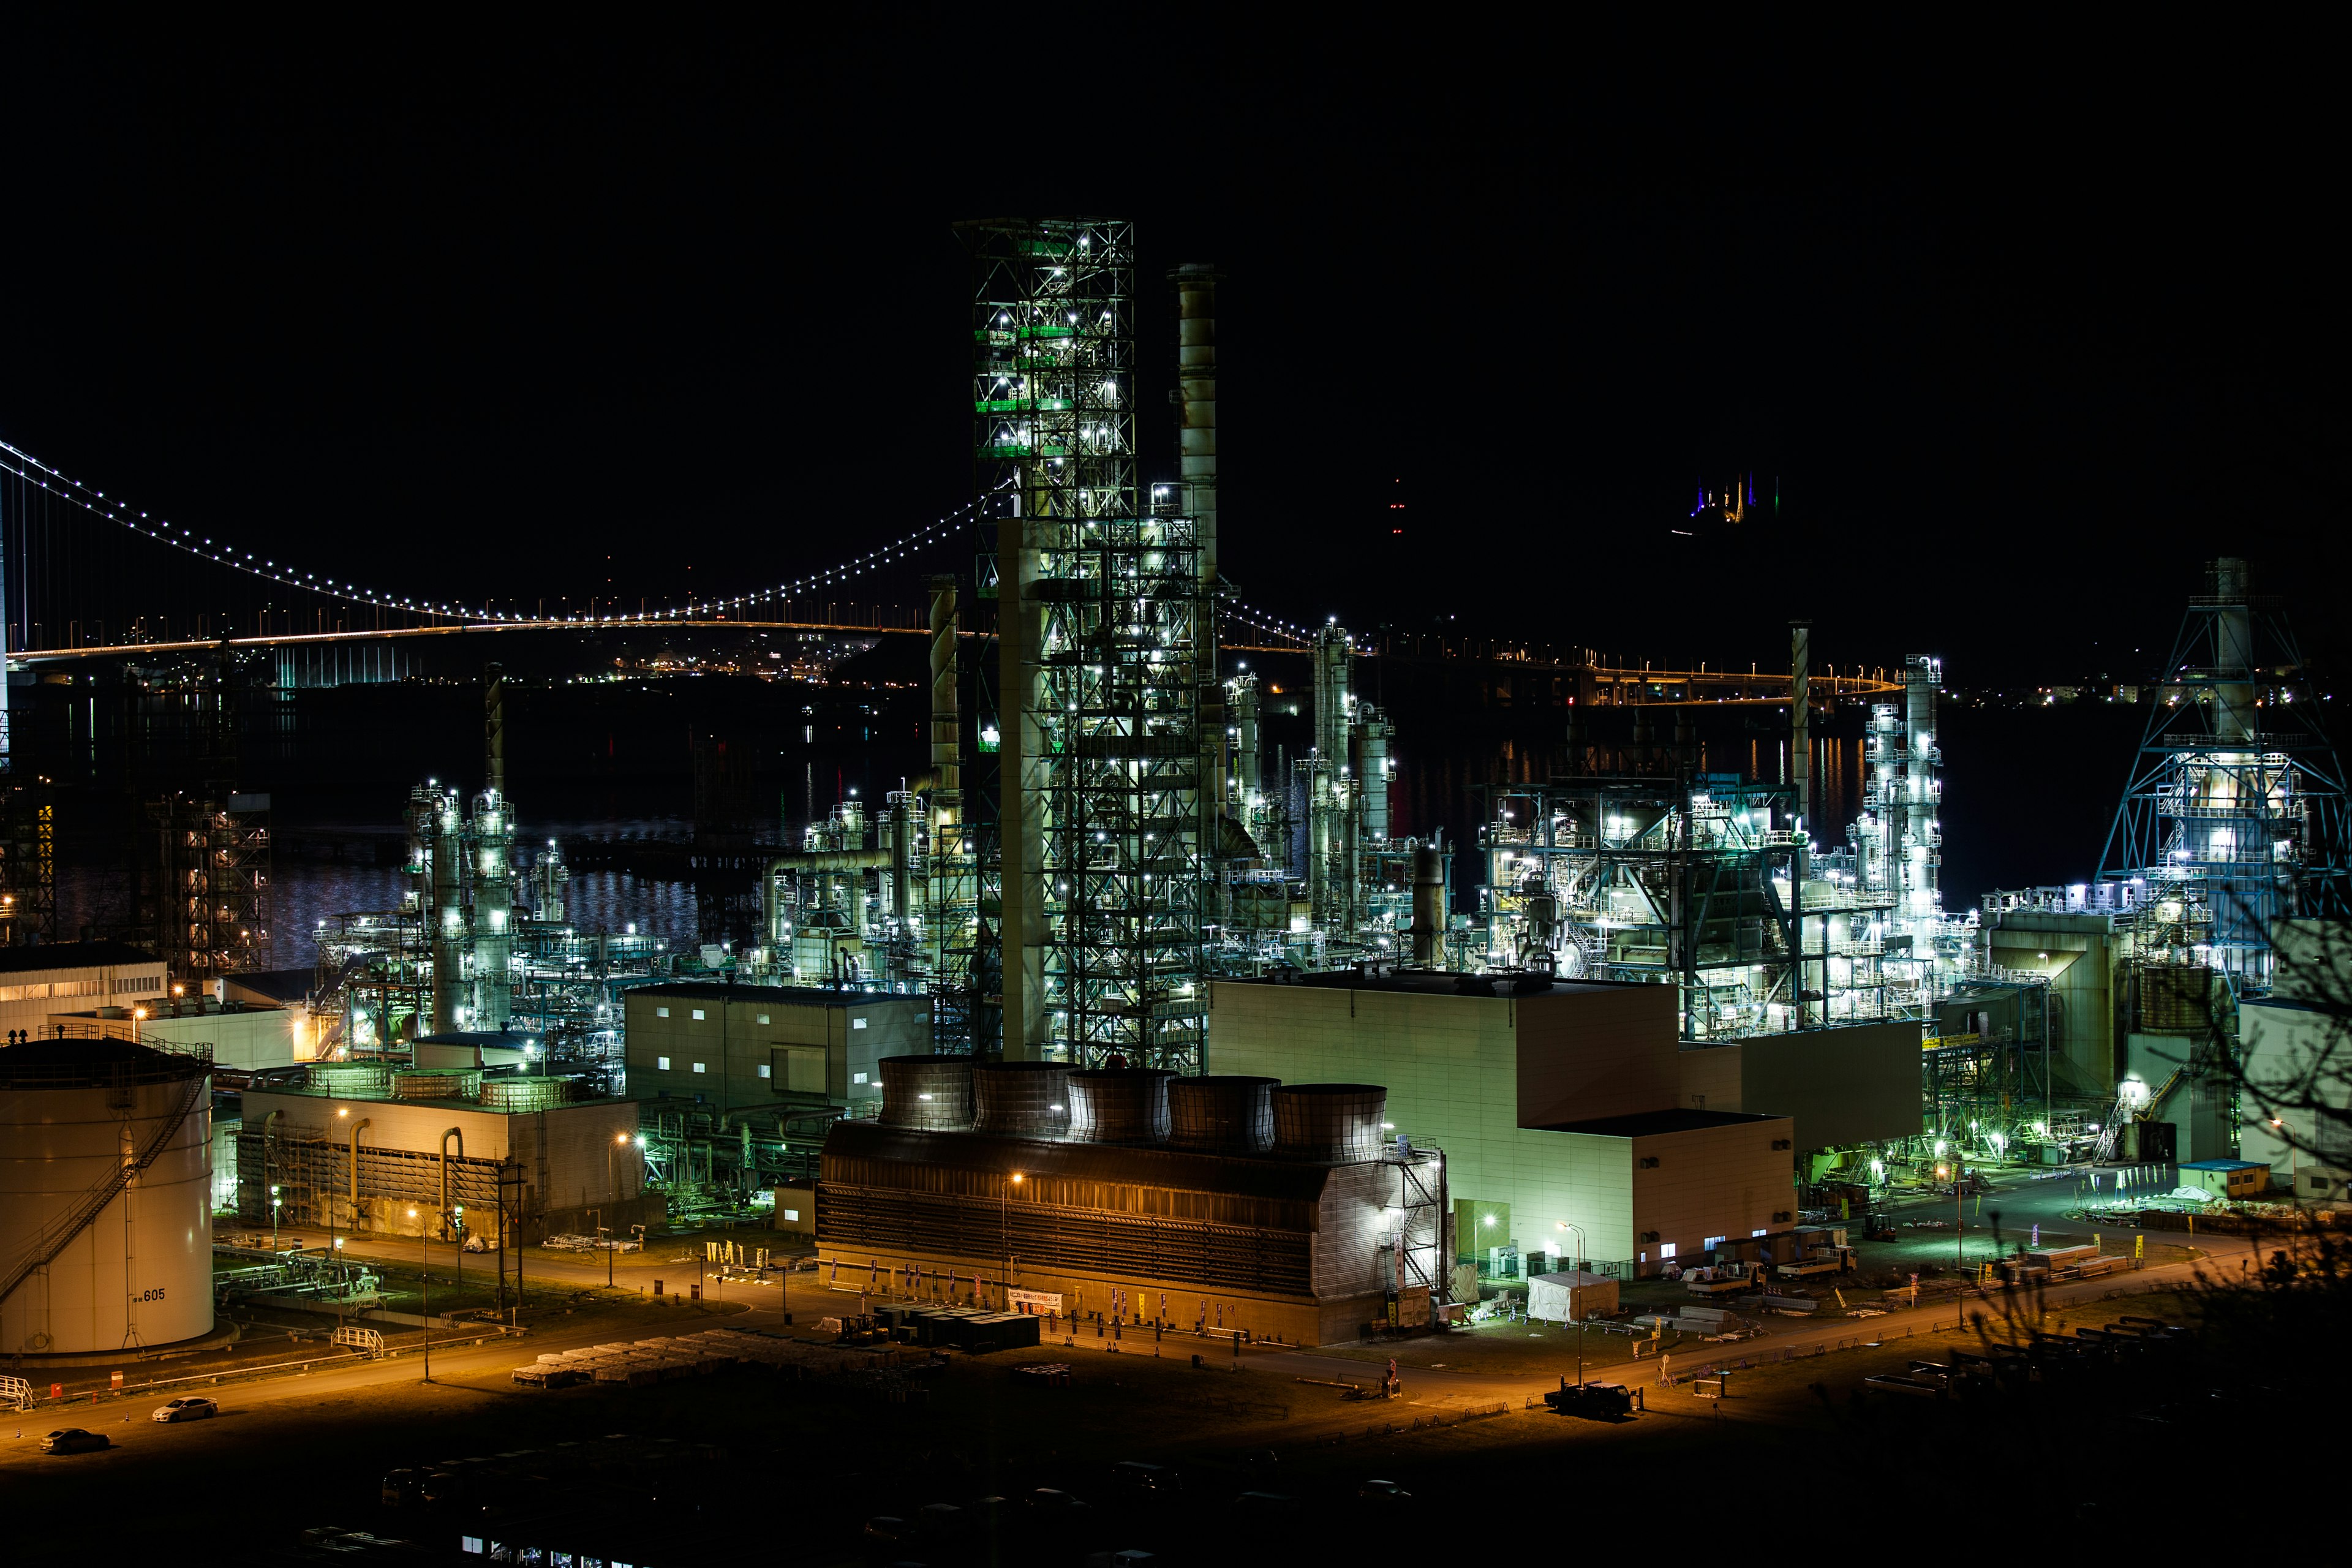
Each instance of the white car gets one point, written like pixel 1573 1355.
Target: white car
pixel 189 1409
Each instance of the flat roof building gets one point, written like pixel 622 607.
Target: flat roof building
pixel 399 1151
pixel 34 980
pixel 1558 1105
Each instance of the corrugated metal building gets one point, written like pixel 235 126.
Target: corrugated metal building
pixel 1302 1235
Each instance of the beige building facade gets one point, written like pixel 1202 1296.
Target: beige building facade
pixel 1559 1106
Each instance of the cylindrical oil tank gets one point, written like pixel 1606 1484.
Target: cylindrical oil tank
pixel 138 1270
pixel 351 1081
pixel 522 1092
pixel 2175 999
pixel 1128 1105
pixel 1021 1100
pixel 1335 1122
pixel 437 1083
pixel 927 1093
pixel 1230 1113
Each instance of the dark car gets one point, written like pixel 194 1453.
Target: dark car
pixel 403 1489
pixel 1046 1503
pixel 74 1440
pixel 1382 1491
pixel 1135 1475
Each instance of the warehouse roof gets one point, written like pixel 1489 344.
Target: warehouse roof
pixel 789 995
pixel 1650 1123
pixel 72 955
pixel 1433 983
pixel 1247 1175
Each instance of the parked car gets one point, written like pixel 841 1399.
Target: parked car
pixel 1135 1475
pixel 188 1409
pixel 403 1489
pixel 1046 1503
pixel 1382 1491
pixel 74 1440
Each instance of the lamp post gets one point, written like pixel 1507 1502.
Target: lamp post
pixel 425 1274
pixel 1581 1245
pixel 2293 1157
pixel 612 1189
pixel 1004 1231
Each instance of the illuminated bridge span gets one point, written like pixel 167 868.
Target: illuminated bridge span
pixel 88 576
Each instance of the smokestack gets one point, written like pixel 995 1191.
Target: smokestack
pixel 947 769
pixel 494 728
pixel 1196 427
pixel 1428 906
pixel 1801 743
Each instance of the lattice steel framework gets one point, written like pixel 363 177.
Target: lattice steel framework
pixel 2235 812
pixel 1105 636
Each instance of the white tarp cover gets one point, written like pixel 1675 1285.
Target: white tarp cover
pixel 1569 1297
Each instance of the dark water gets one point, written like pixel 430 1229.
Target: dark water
pixel 2026 800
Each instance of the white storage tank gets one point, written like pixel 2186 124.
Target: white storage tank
pixel 89 1260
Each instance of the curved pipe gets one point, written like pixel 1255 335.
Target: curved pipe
pixel 458 1133
pixel 357 1128
pixel 832 860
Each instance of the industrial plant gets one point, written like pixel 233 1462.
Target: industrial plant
pixel 1147 962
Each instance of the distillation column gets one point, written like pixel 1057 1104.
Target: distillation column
pixel 445 914
pixel 1922 852
pixel 1196 441
pixel 1329 879
pixel 493 910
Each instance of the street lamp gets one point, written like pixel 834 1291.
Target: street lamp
pixel 2293 1157
pixel 274 1201
pixel 1005 1232
pixel 613 1191
pixel 425 1273
pixel 1581 1247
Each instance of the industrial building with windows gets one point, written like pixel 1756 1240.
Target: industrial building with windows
pixel 1230 1203
pixel 1559 1105
pixel 753 1048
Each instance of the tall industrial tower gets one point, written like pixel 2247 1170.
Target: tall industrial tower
pixel 1106 642
pixel 2235 813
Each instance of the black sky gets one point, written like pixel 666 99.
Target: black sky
pixel 2023 327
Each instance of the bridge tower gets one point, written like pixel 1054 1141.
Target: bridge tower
pixel 1106 636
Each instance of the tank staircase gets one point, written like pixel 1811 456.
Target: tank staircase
pixel 58 1235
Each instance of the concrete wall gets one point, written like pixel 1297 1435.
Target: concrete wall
pixel 1714 1181
pixel 1591 1051
pixel 1857 1084
pixel 2077 952
pixel 761 1053
pixel 250 1039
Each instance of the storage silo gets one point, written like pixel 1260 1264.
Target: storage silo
pixel 106 1230
pixel 1339 1123
pixel 1022 1100
pixel 932 1093
pixel 1223 1111
pixel 1125 1105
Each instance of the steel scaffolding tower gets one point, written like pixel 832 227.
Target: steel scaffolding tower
pixel 1106 639
pixel 2234 814
pixel 215 877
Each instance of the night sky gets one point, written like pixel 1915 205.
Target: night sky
pixel 2018 328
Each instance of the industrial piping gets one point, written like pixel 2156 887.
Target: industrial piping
pixel 357 1128
pixel 459 1134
